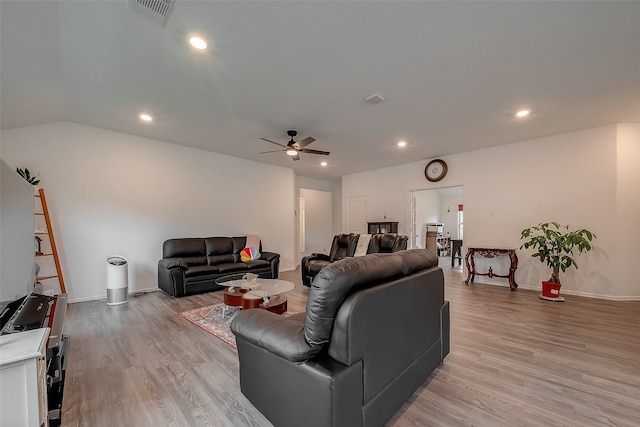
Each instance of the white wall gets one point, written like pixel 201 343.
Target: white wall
pixel 318 224
pixel 111 193
pixel 449 214
pixel 427 211
pixel 427 207
pixel 335 187
pixel 335 219
pixel 584 179
pixel 627 230
pixel 337 208
pixel 17 241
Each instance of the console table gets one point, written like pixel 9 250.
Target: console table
pixel 491 253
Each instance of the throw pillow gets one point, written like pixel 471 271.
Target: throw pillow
pixel 247 254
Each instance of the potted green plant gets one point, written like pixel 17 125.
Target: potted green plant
pixel 554 245
pixel 31 179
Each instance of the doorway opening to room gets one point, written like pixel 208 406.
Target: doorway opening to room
pixel 315 222
pixel 437 223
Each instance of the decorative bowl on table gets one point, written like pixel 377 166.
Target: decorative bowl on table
pixel 243 281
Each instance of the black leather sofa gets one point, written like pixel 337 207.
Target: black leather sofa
pixel 344 245
pixel 374 329
pixel 191 265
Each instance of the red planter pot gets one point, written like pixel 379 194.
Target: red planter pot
pixel 550 290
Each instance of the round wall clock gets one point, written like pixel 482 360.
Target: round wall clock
pixel 435 170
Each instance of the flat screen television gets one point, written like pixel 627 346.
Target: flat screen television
pixel 17 239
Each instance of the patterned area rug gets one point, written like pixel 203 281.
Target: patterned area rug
pixel 215 319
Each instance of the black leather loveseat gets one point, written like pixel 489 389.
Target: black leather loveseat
pixel 374 329
pixel 191 265
pixel 343 246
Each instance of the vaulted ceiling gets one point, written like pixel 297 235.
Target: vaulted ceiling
pixel 452 74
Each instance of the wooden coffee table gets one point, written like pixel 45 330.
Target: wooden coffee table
pixel 239 297
pixel 266 294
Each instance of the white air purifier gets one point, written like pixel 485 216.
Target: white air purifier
pixel 117 280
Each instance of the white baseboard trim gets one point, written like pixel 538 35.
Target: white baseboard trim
pixel 104 296
pixel 565 292
pixel 570 292
pixel 607 297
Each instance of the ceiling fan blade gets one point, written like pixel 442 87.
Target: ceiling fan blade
pixel 273 142
pixel 310 151
pixel 301 144
pixel 296 157
pixel 272 151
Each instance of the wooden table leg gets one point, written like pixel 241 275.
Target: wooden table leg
pixel 277 304
pixel 471 266
pixel 512 270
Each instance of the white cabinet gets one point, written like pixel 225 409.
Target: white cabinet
pixel 23 378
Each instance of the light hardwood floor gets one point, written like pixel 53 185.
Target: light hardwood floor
pixel 515 360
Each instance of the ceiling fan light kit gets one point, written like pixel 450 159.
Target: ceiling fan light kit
pixel 293 147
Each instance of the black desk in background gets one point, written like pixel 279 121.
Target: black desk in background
pixel 456 251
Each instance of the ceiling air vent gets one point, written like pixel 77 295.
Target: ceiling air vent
pixel 156 10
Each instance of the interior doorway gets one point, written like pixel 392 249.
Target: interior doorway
pixel 316 225
pixel 437 219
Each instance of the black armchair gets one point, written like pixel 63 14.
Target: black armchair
pixel 343 245
pixel 387 243
pixel 374 329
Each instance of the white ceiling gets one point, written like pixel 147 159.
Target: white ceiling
pixel 452 74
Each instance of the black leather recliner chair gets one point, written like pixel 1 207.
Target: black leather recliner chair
pixel 387 243
pixel 344 245
pixel 374 329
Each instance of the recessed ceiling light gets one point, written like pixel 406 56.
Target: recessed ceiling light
pixel 291 152
pixel 198 43
pixel 145 117
pixel 323 164
pixel 522 113
pixel 402 144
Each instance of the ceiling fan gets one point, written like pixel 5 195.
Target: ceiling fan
pixel 293 148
